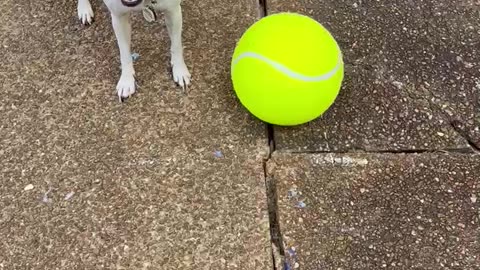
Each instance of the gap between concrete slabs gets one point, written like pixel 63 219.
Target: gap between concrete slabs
pixel 275 236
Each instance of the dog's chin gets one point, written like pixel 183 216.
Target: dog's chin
pixel 131 3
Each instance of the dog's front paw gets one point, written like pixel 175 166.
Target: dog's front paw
pixel 181 75
pixel 126 86
pixel 85 12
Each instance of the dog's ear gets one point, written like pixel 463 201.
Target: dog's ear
pixel 131 3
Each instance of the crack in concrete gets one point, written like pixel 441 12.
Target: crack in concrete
pixel 431 101
pixel 466 150
pixel 275 234
pixel 455 125
pixel 278 251
pixel 262 7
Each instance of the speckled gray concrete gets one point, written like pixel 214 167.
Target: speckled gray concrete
pixel 149 192
pixel 379 211
pixel 412 80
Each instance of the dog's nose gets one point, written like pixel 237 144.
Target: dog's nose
pixel 131 3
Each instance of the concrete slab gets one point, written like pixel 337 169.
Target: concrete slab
pixel 378 211
pixel 412 80
pixel 162 181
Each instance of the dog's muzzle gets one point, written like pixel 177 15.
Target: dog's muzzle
pixel 131 3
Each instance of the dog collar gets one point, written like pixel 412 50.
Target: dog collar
pixel 149 13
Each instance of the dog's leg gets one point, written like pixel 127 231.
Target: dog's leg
pixel 123 32
pixel 174 21
pixel 85 11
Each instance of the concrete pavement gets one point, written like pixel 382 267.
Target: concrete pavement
pixel 411 76
pixel 387 178
pixel 378 211
pixel 163 181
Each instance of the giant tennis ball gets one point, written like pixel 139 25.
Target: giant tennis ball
pixel 287 69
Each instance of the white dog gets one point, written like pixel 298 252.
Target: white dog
pixel 120 12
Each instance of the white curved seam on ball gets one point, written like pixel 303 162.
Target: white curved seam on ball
pixel 292 74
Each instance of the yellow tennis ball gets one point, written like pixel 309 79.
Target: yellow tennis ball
pixel 287 69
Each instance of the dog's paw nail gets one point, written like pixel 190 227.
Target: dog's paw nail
pixel 85 14
pixel 181 76
pixel 86 20
pixel 122 99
